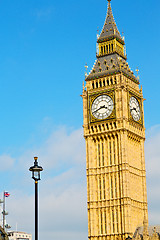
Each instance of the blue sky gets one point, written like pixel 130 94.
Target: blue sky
pixel 44 46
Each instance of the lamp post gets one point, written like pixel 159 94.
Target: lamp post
pixel 36 176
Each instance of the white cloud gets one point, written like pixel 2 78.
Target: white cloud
pixel 6 162
pixel 63 200
pixel 152 153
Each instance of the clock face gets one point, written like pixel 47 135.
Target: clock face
pixel 135 109
pixel 102 107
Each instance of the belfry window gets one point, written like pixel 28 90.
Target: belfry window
pixel 107 48
pixel 112 47
pixel 104 49
pixel 101 50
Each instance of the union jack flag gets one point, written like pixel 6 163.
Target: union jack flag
pixel 6 194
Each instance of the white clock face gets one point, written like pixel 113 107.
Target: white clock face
pixel 135 109
pixel 102 107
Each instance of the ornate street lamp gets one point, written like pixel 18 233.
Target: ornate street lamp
pixel 36 176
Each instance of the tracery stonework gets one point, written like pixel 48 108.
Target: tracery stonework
pixel 114 133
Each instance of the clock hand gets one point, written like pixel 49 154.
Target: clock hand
pixel 99 109
pixel 134 109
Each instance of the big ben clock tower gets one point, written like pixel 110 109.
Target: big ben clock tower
pixel 114 133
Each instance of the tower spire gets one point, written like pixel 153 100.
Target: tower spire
pixel 111 51
pixel 110 28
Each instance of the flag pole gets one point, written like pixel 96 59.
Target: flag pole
pixel 4 211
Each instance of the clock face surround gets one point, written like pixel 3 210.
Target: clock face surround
pixel 102 107
pixel 135 109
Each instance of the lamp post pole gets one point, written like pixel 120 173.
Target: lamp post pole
pixel 36 176
pixel 36 210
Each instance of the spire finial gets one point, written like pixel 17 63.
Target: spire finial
pixel 86 67
pixel 109 1
pixel 137 70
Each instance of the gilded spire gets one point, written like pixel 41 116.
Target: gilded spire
pixel 110 28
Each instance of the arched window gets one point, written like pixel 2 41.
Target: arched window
pixel 112 47
pixel 107 48
pixel 101 50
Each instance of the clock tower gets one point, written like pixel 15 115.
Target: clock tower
pixel 114 133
